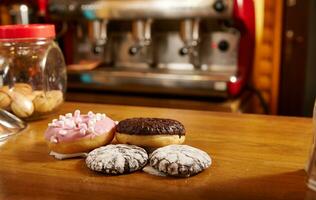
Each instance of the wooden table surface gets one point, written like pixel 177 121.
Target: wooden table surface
pixel 254 157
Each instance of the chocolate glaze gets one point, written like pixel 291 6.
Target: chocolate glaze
pixel 150 126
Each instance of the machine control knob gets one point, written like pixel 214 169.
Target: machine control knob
pixel 219 6
pixel 133 50
pixel 223 45
pixel 97 49
pixel 184 51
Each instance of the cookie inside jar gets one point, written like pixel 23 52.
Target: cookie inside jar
pixel 28 103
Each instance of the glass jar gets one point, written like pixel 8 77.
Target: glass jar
pixel 32 70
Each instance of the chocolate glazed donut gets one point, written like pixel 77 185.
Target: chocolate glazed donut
pixel 150 132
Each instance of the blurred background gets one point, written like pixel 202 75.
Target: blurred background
pixel 249 56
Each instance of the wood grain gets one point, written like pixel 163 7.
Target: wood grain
pixel 254 157
pixel 221 105
pixel 267 54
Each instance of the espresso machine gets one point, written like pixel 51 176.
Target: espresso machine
pixel 167 47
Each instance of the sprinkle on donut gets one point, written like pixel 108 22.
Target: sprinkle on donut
pixel 69 121
pixel 75 125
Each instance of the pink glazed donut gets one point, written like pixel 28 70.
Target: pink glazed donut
pixel 76 133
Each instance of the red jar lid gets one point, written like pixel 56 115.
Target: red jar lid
pixel 27 31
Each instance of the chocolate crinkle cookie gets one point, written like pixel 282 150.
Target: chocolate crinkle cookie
pixel 117 159
pixel 179 160
pixel 150 126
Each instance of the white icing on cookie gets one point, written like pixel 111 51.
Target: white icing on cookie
pixel 180 160
pixel 117 159
pixel 150 170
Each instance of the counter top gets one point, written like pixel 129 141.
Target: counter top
pixel 254 157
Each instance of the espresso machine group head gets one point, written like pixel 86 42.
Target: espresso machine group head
pixel 201 47
pixel 141 32
pixel 189 33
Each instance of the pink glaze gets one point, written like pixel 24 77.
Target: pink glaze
pixel 73 127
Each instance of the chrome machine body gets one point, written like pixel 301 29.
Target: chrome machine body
pixel 200 47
